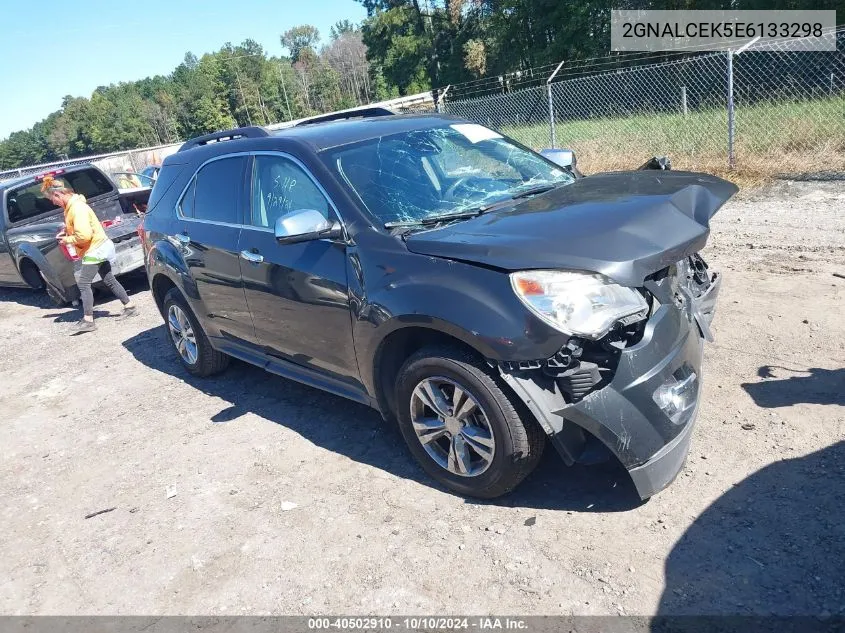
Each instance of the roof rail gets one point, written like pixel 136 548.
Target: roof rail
pixel 225 135
pixel 362 113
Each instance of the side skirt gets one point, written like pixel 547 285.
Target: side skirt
pixel 292 371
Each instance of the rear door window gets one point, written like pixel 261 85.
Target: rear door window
pixel 218 191
pixel 27 202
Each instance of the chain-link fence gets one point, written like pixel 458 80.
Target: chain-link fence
pixel 761 110
pixel 127 161
pixel 136 159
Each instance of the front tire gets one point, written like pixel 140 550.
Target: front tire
pixel 189 339
pixel 461 427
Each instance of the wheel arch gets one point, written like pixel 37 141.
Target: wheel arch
pixel 30 273
pixel 160 285
pixel 29 260
pixel 397 346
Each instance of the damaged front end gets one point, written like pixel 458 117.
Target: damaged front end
pixel 636 389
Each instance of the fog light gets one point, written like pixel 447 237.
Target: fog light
pixel 677 395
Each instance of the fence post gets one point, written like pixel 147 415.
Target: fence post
pixel 731 113
pixel 438 105
pixel 684 100
pixel 552 105
pixel 731 106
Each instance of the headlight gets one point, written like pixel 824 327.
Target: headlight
pixel 581 304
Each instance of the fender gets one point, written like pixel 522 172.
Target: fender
pixel 473 304
pixel 57 271
pixel 166 258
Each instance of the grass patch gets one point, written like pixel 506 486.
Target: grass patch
pixel 771 139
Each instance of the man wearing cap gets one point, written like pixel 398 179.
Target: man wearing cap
pixel 85 233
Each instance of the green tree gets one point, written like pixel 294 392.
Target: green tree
pixel 397 44
pixel 300 38
pixel 341 27
pixel 202 95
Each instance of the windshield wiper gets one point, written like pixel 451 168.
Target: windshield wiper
pixel 532 191
pixel 472 213
pixel 435 219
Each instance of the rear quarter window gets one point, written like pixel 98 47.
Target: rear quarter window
pixel 167 177
pixel 88 182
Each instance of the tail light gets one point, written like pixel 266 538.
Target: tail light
pixel 142 235
pixel 107 223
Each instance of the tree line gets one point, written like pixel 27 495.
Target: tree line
pixel 234 86
pixel 416 44
pixel 402 47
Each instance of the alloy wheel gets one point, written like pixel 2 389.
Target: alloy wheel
pixel 182 333
pixel 452 426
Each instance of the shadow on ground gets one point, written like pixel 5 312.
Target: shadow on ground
pixel 772 545
pixel 26 297
pixel 134 283
pixel 359 433
pixel 821 386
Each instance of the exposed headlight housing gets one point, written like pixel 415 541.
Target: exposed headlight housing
pixel 579 304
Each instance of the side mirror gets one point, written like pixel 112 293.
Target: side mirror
pixel 562 157
pixel 305 225
pixel 656 162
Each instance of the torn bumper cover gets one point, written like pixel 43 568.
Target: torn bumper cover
pixel 645 414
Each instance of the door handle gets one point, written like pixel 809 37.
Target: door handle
pixel 253 258
pixel 183 239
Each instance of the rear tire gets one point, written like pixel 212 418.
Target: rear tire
pixel 35 279
pixel 483 447
pixel 31 274
pixel 189 339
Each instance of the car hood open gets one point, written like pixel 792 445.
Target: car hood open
pixel 624 225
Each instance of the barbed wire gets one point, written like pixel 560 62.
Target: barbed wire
pixel 525 78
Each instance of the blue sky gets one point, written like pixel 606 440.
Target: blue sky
pixel 91 43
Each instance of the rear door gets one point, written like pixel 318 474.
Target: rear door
pixel 297 293
pixel 211 212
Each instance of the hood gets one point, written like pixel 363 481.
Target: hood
pixel 624 225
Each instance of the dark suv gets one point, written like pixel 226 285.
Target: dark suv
pixel 481 295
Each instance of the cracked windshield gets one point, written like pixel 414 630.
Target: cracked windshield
pixel 444 173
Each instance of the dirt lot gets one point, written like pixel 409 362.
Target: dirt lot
pixel 200 472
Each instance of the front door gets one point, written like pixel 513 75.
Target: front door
pixel 211 212
pixel 297 293
pixel 8 271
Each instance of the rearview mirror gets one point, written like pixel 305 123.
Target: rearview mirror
pixel 305 225
pixel 562 157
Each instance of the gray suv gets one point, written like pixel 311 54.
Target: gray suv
pixel 482 296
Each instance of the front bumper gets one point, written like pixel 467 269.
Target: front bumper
pixel 649 440
pixel 660 471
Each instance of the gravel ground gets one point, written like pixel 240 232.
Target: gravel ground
pixel 203 475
